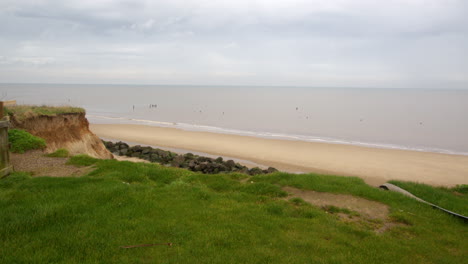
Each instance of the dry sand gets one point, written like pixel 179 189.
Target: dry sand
pixel 374 165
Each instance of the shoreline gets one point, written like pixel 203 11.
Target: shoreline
pixel 97 119
pixel 374 165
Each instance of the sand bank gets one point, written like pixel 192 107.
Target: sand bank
pixel 374 165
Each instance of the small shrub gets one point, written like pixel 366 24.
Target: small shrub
pixel 22 141
pixel 82 160
pixel 59 153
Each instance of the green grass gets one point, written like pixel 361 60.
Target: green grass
pixel 82 160
pixel 22 112
pixel 333 209
pixel 22 141
pixel 59 153
pixel 209 219
pixel 453 199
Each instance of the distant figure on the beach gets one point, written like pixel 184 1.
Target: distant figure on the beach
pixel 297 108
pixel 133 107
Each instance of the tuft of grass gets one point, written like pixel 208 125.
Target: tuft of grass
pixel 59 153
pixel 401 217
pixel 262 188
pixel 22 112
pixel 297 201
pixel 82 160
pixel 22 141
pixel 334 210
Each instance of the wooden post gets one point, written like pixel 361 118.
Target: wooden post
pixel 5 167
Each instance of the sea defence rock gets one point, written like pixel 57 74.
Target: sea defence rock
pixel 68 131
pixel 189 160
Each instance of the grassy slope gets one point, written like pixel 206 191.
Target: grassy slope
pixel 209 218
pixel 22 112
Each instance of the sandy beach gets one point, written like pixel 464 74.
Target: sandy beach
pixel 374 165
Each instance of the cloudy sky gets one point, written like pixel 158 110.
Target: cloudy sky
pixel 351 43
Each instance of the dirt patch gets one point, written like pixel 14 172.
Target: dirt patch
pixel 350 209
pixel 38 165
pixel 369 209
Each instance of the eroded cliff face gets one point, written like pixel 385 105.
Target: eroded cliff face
pixel 68 131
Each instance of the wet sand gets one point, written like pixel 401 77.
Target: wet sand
pixel 374 165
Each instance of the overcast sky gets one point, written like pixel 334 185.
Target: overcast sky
pixel 351 43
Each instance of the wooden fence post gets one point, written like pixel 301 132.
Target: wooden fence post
pixel 1 110
pixel 5 166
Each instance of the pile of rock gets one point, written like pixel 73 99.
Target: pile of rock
pixel 188 160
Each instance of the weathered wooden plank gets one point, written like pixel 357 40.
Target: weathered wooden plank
pixel 4 124
pixel 9 103
pixel 6 171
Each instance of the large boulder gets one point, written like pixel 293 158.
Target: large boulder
pixel 230 164
pixel 178 160
pixel 123 152
pixel 146 150
pixel 271 170
pixel 255 171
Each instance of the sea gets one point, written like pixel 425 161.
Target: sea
pixel 431 120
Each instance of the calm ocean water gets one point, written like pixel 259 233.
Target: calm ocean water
pixel 419 119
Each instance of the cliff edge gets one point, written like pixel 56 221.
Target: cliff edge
pixel 67 130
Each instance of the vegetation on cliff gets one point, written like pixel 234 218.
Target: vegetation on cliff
pixel 215 218
pixel 59 153
pixel 22 112
pixel 21 141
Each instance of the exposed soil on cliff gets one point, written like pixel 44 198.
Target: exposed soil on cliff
pixel 68 131
pixel 39 165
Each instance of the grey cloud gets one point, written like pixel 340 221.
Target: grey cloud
pixel 347 42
